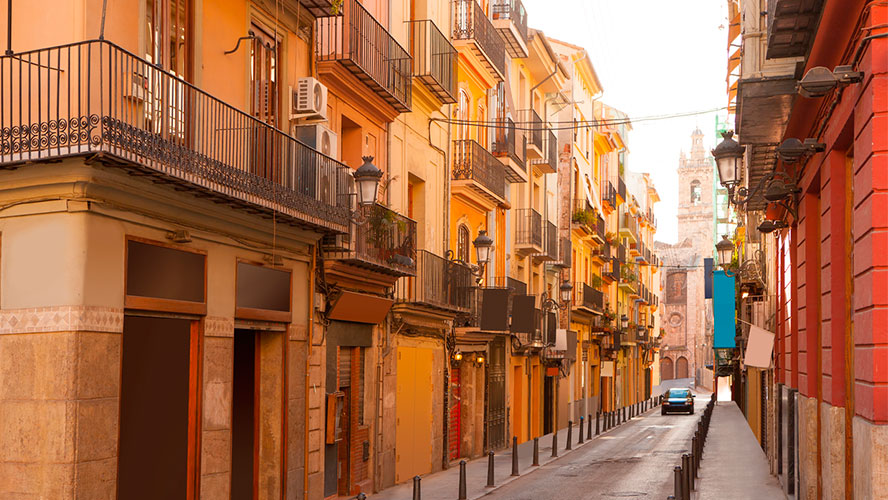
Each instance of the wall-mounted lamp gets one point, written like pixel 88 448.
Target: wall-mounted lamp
pixel 820 81
pixel 769 226
pixel 792 149
pixel 479 359
pixel 457 356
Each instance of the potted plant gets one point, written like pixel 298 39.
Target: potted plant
pixel 596 282
pixel 610 238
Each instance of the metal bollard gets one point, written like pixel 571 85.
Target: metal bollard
pixel 685 476
pixel 624 414
pixel 462 480
pixel 589 430
pixel 676 473
pixel 515 456
pixel 570 426
pixel 417 488
pixel 581 430
pixel 691 473
pixel 536 452
pixel 490 470
pixel 555 443
pixel 597 423
pixel 695 451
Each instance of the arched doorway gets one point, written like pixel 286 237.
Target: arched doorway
pixel 681 368
pixel 666 370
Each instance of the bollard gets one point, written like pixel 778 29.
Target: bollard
pixel 417 488
pixel 685 476
pixel 624 414
pixel 462 480
pixel 515 456
pixel 676 472
pixel 490 470
pixel 536 452
pixel 597 423
pixel 581 430
pixel 691 477
pixel 695 451
pixel 589 430
pixel 555 443
pixel 570 426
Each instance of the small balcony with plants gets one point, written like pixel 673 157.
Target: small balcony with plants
pixel 510 19
pixel 628 281
pixel 583 216
pixel 380 240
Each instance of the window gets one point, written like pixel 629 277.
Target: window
pixel 462 243
pixel 696 193
pixel 462 115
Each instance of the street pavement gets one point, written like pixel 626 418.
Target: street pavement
pixel 634 460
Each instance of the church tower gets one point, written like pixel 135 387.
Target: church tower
pixel 695 196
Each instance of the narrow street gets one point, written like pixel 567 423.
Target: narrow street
pixel 634 460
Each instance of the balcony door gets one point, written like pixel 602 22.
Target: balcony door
pixel 264 101
pixel 170 45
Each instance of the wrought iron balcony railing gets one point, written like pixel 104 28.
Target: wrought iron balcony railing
pixel 528 228
pixel 583 215
pixel 360 43
pixel 588 297
pixel 612 270
pixel 471 25
pixel 517 287
pixel 551 243
pixel 609 197
pixel 94 98
pixel 471 162
pixel 629 227
pixel 603 252
pixel 510 19
pixel 438 283
pixel 621 189
pixel 508 144
pixel 434 59
pixel 534 129
pixel 382 240
pixel 621 253
pixel 548 164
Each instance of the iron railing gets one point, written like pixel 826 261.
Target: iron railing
pixel 533 125
pixel 506 143
pixel 621 253
pixel 603 251
pixel 472 162
pixel 382 238
pixel 629 224
pixel 514 11
pixel 438 283
pixel 96 98
pixel 551 244
pixel 528 227
pixel 600 228
pixel 360 43
pixel 583 214
pixel 610 195
pixel 621 188
pixel 550 145
pixel 434 59
pixel 587 296
pixel 471 23
pixel 517 287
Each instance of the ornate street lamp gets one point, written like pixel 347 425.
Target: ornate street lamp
pixel 483 247
pixel 566 288
pixel 624 322
pixel 729 160
pixel 725 251
pixel 367 178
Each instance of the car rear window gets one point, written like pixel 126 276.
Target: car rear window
pixel 678 393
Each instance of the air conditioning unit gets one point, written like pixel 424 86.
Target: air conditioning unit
pixel 320 138
pixel 308 100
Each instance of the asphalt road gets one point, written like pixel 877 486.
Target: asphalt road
pixel 634 460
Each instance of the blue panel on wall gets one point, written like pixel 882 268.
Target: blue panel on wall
pixel 707 272
pixel 723 310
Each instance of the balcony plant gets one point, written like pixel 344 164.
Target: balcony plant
pixel 610 238
pixel 596 282
pixel 585 217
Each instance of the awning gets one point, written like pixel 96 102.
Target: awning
pixel 360 308
pixel 759 348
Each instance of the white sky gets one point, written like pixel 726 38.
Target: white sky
pixel 653 57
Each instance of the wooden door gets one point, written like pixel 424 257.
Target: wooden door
pixel 264 101
pixel 454 431
pixel 413 437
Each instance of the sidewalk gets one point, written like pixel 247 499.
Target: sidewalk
pixel 444 485
pixel 734 466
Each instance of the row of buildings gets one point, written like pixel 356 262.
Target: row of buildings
pixel 808 86
pixel 305 249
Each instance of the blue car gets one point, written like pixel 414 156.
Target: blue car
pixel 678 400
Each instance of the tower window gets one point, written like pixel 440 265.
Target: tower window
pixel 696 193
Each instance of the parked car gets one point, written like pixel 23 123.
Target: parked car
pixel 678 400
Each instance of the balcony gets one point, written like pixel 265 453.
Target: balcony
pixel 583 216
pixel 517 287
pixel 587 298
pixel 611 271
pixel 602 254
pixel 472 29
pixel 534 130
pixel 629 227
pixel 621 190
pixel 318 8
pixel 364 47
pixel 628 281
pixel 510 19
pixel 477 171
pixel 644 255
pixel 383 241
pixel 438 284
pixel 434 60
pixel 791 27
pixel 528 232
pixel 548 164
pixel 621 253
pixel 508 146
pixel 550 243
pixel 609 197
pixel 109 105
